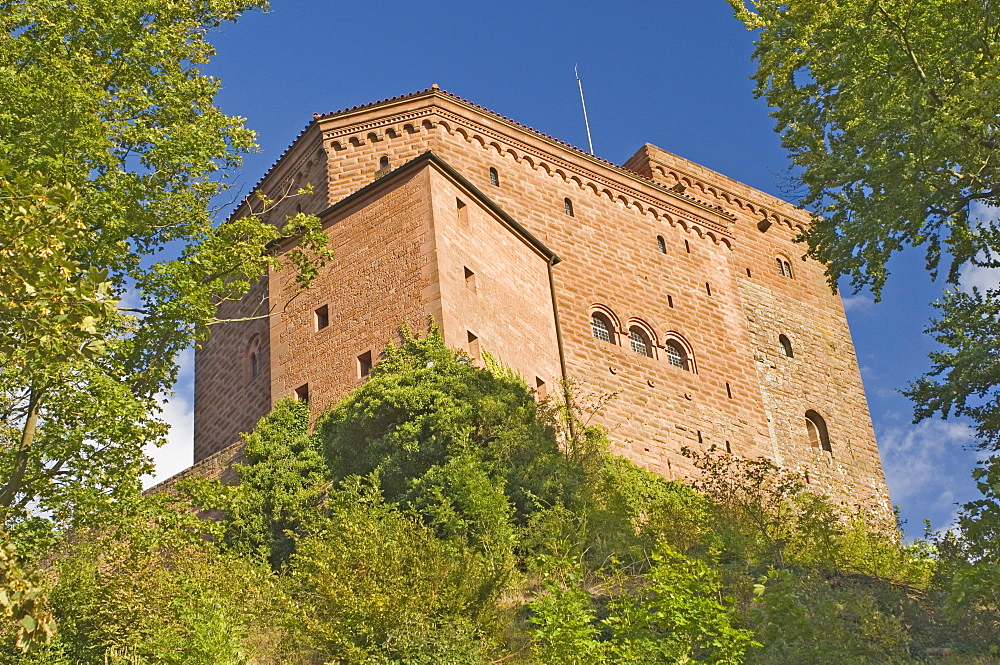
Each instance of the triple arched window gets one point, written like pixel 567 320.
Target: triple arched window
pixel 641 338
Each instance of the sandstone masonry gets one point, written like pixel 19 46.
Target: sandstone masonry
pixel 719 332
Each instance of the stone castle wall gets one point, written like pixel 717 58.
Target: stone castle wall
pixel 403 249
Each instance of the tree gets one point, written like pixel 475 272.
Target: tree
pixel 889 111
pixel 113 151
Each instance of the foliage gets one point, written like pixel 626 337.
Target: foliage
pixel 282 488
pixel 673 614
pixel 805 619
pixel 112 153
pixel 889 110
pixel 423 408
pixel 22 602
pixel 376 582
pixel 186 604
pixel 963 376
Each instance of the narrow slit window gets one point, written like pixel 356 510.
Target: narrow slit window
pixel 462 209
pixel 708 288
pixel 473 345
pixel 788 269
pixel 302 393
pixel 687 246
pixel 661 244
pixel 670 301
pixel 568 207
pixel 254 364
pixel 729 391
pixel 748 272
pixel 780 266
pixel 540 388
pixel 470 279
pixel 786 344
pixel 321 317
pixel 494 177
pixel 365 364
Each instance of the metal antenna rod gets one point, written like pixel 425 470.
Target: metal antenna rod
pixel 590 142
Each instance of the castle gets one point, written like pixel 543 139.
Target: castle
pixel 676 288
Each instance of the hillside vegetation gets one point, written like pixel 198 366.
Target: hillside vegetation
pixel 439 514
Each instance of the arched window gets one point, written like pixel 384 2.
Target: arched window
pixel 602 327
pixel 568 207
pixel 676 355
pixel 383 163
pixel 254 364
pixel 661 244
pixel 494 177
pixel 817 432
pixel 641 343
pixel 784 267
pixel 786 344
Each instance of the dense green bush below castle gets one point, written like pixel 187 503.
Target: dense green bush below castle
pixel 440 514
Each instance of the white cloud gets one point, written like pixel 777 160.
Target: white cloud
pixel 982 278
pixel 928 468
pixel 860 302
pixel 178 411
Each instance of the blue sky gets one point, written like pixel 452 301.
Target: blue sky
pixel 675 74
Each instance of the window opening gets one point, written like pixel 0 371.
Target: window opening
pixel 254 364
pixel 729 391
pixel 640 341
pixel 383 163
pixel 676 355
pixel 365 364
pixel 661 244
pixel 494 177
pixel 687 246
pixel 470 279
pixel 321 317
pixel 540 388
pixel 463 210
pixel 601 327
pixel 729 449
pixel 302 393
pixel 708 288
pixel 786 344
pixel 699 437
pixel 780 266
pixel 670 301
pixel 568 207
pixel 473 345
pixel 788 269
pixel 748 272
pixel 819 437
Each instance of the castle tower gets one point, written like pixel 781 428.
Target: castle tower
pixel 676 288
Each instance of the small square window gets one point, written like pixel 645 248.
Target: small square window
pixel 302 393
pixel 322 317
pixel 462 210
pixel 470 279
pixel 365 364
